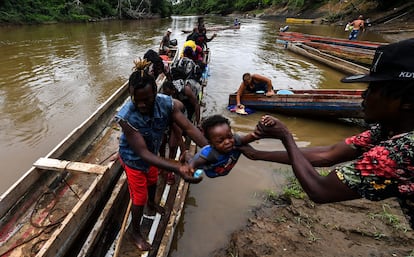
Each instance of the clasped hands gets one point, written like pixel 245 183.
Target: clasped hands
pixel 186 171
pixel 271 127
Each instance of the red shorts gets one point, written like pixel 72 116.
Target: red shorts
pixel 138 183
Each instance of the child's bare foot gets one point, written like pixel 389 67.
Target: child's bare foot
pixel 155 208
pixel 139 241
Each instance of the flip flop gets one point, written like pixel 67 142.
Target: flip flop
pixel 241 111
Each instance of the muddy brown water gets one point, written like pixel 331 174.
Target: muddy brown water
pixel 54 76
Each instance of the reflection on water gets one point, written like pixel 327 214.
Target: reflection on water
pixel 54 76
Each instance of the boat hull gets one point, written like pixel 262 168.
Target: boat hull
pixel 307 103
pixel 109 238
pixel 299 21
pixel 332 61
pixel 300 37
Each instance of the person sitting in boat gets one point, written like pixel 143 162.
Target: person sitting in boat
pixel 144 118
pixel 158 64
pixel 221 155
pixel 253 83
pixel 188 70
pixel 203 39
pixel 194 35
pixel 357 25
pixel 375 164
pixel 183 92
pixel 196 55
pixel 165 43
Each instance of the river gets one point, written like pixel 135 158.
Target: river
pixel 54 76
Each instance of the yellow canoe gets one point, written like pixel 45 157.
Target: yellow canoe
pixel 295 20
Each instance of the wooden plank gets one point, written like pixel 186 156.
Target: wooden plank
pixel 110 218
pixel 60 165
pixel 61 239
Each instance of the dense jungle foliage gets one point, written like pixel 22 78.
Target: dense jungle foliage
pixel 44 11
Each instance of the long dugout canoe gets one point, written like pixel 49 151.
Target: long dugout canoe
pixel 301 37
pixel 313 103
pixel 108 237
pixel 334 62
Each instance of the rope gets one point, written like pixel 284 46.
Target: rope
pixel 69 186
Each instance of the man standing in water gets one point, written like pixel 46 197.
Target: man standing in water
pixel 165 42
pixel 357 25
pixel 144 119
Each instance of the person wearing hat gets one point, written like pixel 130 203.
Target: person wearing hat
pixel 165 42
pixel 375 164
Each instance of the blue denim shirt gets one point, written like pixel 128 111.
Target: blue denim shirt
pixel 151 128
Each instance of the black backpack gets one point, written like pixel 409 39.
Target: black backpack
pixel 185 68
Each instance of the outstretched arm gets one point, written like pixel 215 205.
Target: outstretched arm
pixel 212 37
pixel 252 136
pixel 240 92
pixel 138 145
pixel 193 132
pixel 321 156
pixel 319 188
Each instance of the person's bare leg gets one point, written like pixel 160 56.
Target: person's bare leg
pixel 175 136
pixel 136 236
pixel 152 206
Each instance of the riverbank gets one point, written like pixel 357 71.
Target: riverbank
pixel 301 228
pixel 394 23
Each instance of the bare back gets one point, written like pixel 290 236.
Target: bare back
pixel 358 24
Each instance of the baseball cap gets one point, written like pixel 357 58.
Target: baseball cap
pixel 169 30
pixel 391 62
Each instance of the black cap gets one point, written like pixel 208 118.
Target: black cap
pixel 391 62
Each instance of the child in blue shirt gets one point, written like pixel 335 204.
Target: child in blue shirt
pixel 220 156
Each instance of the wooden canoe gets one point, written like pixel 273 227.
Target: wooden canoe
pixel 332 61
pixel 299 21
pixel 107 237
pixel 214 28
pixel 313 103
pixel 300 37
pixel 353 54
pixel 53 205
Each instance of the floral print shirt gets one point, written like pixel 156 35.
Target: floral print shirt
pixel 385 167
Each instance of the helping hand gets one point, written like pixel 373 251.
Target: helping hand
pixel 186 172
pixel 271 127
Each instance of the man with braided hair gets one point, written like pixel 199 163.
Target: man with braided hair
pixel 144 120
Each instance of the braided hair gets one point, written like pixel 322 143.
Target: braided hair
pixel 141 76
